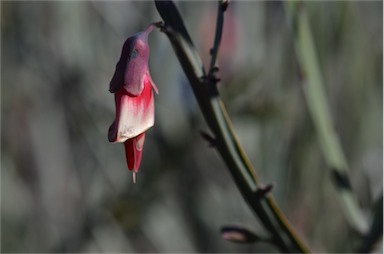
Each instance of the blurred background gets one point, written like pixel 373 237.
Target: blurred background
pixel 65 188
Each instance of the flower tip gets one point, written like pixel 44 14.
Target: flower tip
pixel 134 177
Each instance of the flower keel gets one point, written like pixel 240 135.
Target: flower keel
pixel 132 85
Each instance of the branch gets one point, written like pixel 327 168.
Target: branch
pixel 213 109
pixel 320 113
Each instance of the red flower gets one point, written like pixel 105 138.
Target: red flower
pixel 132 86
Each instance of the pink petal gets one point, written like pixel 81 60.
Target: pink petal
pixel 133 151
pixel 117 81
pixel 133 64
pixel 134 114
pixel 137 66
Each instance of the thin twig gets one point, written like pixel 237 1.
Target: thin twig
pixel 219 31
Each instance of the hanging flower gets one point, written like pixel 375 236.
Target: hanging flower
pixel 134 100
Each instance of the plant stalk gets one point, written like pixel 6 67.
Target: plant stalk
pixel 213 109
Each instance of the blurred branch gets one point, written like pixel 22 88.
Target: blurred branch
pixel 212 107
pixel 376 231
pixel 320 113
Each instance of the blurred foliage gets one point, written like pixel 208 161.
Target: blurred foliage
pixel 64 188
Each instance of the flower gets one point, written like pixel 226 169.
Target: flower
pixel 132 86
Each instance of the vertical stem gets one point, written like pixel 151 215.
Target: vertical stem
pixel 219 30
pixel 313 87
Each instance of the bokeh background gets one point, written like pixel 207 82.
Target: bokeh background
pixel 64 188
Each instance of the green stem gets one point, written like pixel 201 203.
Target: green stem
pixel 219 30
pixel 212 107
pixel 321 115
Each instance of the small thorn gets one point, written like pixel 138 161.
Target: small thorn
pixel 215 69
pixel 263 191
pixel 211 140
pixel 224 5
pixel 212 75
pixel 134 177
